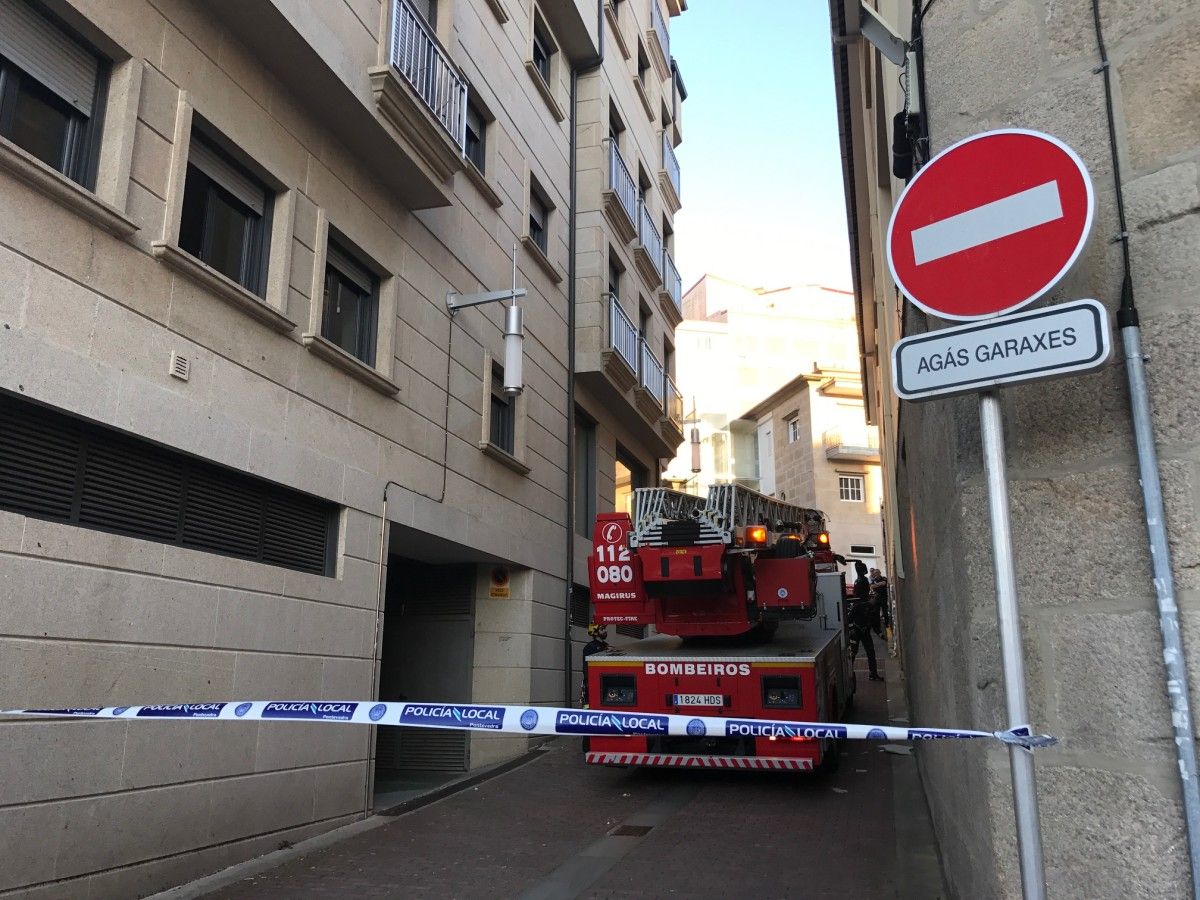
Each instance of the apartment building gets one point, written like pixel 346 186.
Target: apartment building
pixel 1109 794
pixel 738 344
pixel 246 448
pixel 814 448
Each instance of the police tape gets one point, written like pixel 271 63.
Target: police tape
pixel 547 720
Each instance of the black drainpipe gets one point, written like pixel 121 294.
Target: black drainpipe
pixel 582 68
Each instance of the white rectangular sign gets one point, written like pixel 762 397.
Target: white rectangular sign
pixel 1044 343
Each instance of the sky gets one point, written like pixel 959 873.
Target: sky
pixel 761 169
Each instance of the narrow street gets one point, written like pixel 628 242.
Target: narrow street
pixel 555 828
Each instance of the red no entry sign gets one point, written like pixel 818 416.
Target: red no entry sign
pixel 990 224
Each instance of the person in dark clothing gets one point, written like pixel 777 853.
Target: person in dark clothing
pixel 879 593
pixel 862 617
pixel 597 644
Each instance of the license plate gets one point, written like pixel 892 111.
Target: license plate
pixel 697 700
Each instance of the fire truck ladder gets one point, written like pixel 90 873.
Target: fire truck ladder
pixel 665 518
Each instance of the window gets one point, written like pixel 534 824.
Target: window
pixel 585 474
pixel 351 305
pixel 50 90
pixel 224 216
pixel 629 476
pixel 793 430
pixel 851 488
pixel 643 63
pixel 539 218
pixel 614 275
pixel 476 145
pixel 615 126
pixel 862 549
pixel 56 467
pixel 502 432
pixel 543 50
pixel 428 10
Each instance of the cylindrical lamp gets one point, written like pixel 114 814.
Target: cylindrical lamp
pixel 514 336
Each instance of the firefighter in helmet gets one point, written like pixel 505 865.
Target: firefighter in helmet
pixel 597 644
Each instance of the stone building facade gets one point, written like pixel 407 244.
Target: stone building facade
pixel 246 451
pixel 738 344
pixel 1109 793
pixel 823 455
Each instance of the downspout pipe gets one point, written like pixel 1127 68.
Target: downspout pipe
pixel 1174 658
pixel 583 67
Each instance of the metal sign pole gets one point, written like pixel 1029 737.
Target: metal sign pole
pixel 1029 832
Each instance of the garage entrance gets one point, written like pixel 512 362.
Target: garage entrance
pixel 427 654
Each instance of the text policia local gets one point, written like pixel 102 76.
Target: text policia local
pixel 1010 348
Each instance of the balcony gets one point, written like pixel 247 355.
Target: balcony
pixel 852 444
pixel 620 355
pixel 659 40
pixel 670 292
pixel 668 174
pixel 678 95
pixel 421 94
pixel 672 425
pixel 648 254
pixel 651 384
pixel 621 196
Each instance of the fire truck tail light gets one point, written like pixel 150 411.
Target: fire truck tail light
pixel 756 534
pixel 781 691
pixel 618 690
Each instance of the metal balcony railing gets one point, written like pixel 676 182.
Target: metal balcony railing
pixel 672 281
pixel 670 162
pixel 653 376
pixel 649 238
pixel 417 55
pixel 673 402
pixel 621 183
pixel 659 24
pixel 622 333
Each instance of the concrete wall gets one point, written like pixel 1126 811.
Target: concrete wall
pixel 1109 793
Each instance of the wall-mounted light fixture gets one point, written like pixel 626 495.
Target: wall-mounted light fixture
pixel 514 330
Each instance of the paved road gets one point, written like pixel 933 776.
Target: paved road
pixel 547 830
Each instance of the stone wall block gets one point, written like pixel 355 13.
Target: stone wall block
pixel 1069 421
pixel 1106 708
pixel 69 673
pixel 1165 273
pixel 158 753
pixel 1071 32
pixel 1074 538
pixel 1162 195
pixel 1007 41
pixel 1181 488
pixel 1160 94
pixel 1094 852
pixel 54 764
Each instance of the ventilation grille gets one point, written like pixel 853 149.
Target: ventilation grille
pixel 431 750
pixel 181 367
pixel 436 590
pixel 581 607
pixel 633 631
pixel 56 467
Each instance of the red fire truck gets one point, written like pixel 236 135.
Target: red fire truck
pixel 745 597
